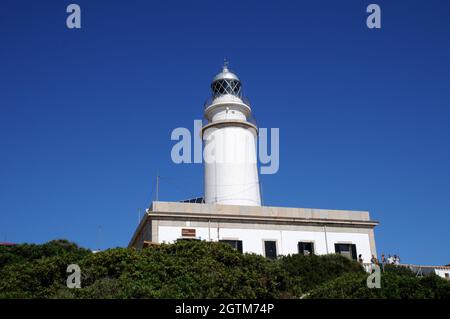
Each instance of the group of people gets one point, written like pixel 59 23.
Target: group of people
pixel 390 260
pixel 373 260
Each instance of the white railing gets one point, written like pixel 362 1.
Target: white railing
pixel 419 270
pixel 237 98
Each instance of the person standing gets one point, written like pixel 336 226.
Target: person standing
pixel 374 260
pixel 390 260
pixel 396 260
pixel 383 261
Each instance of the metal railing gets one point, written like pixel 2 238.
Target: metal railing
pixel 239 99
pixel 419 270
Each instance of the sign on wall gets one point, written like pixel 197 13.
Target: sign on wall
pixel 187 232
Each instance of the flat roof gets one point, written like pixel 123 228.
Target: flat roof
pixel 259 211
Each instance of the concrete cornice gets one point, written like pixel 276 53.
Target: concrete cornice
pixel 264 219
pixel 262 214
pixel 260 211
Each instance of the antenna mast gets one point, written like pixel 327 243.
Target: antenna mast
pixel 157 187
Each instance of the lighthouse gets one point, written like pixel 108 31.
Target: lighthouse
pixel 231 180
pixel 230 135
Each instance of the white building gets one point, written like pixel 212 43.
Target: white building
pixel 268 231
pixel 231 211
pixel 420 270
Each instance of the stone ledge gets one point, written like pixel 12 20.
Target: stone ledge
pixel 262 219
pixel 260 211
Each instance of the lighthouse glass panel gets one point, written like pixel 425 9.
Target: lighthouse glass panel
pixel 226 86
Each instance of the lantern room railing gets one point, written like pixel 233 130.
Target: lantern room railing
pixel 240 99
pixel 251 119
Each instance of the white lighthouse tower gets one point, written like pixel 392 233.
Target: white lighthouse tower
pixel 231 173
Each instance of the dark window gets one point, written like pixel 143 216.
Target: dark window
pixel 347 250
pixel 305 248
pixel 198 200
pixel 270 248
pixel 236 244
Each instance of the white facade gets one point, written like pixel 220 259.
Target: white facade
pixel 252 226
pixel 286 240
pixel 231 174
pixel 443 272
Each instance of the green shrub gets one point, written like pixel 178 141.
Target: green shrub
pixel 197 270
pixel 29 252
pixel 395 284
pixel 181 270
pixel 308 272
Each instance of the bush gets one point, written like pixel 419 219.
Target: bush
pixel 197 270
pixel 181 270
pixel 308 272
pixel 396 283
pixel 26 252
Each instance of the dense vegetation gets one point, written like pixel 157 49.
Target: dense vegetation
pixel 197 270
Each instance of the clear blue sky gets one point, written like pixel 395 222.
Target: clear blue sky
pixel 86 115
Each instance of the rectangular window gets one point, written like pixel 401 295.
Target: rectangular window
pixel 447 275
pixel 236 244
pixel 347 250
pixel 305 248
pixel 270 248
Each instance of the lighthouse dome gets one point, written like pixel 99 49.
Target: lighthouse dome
pixel 225 74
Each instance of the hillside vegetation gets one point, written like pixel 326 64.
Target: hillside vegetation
pixel 197 270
